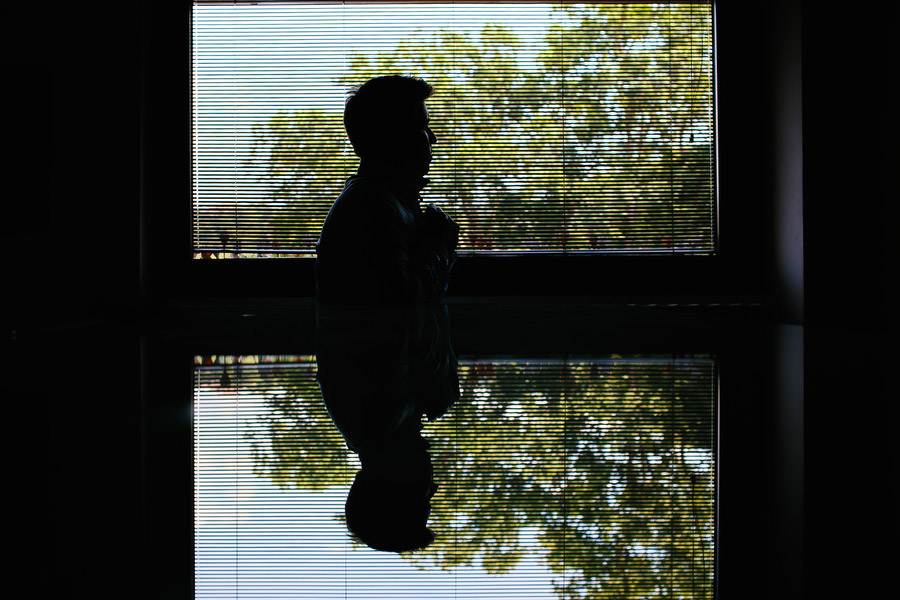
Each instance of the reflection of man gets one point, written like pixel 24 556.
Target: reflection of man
pixel 381 371
pixel 377 245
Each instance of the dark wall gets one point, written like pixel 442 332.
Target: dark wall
pixel 850 255
pixel 72 171
pixel 70 248
pixel 850 162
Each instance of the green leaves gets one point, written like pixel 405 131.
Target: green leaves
pixel 602 469
pixel 601 140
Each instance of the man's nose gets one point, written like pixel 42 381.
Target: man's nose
pixel 431 137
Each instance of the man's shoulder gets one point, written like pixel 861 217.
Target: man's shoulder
pixel 369 200
pixel 362 210
pixel 365 189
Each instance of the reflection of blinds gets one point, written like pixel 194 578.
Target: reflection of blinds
pixel 588 478
pixel 562 127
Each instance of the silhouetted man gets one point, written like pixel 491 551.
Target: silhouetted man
pixel 377 245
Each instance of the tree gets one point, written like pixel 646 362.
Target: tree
pixel 607 465
pixel 603 143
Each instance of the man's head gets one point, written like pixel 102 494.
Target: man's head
pixel 390 512
pixel 387 122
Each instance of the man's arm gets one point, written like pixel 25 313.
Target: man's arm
pixel 436 240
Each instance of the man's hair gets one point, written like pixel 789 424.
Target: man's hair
pixel 379 107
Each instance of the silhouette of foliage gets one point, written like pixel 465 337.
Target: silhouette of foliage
pixel 604 142
pixel 604 469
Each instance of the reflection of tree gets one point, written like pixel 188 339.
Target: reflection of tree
pixel 611 127
pixel 300 448
pixel 609 464
pixel 307 158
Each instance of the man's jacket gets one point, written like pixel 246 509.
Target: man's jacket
pixel 377 247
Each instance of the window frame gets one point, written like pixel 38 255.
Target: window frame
pixel 739 269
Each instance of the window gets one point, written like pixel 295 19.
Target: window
pixel 563 128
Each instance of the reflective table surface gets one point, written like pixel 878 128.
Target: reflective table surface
pixel 478 450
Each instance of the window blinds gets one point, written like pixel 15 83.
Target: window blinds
pixel 556 479
pixel 562 128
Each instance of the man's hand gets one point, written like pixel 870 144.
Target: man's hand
pixel 439 227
